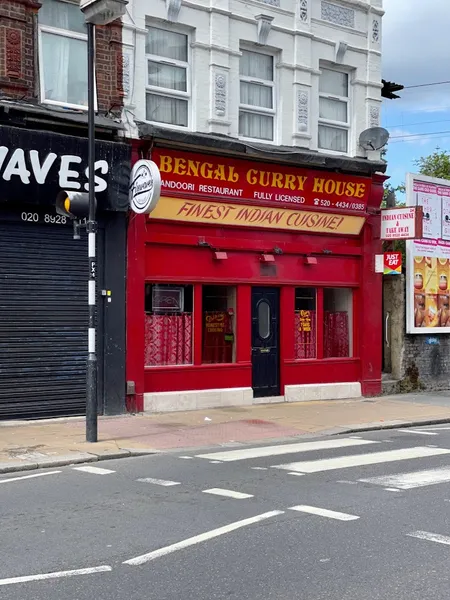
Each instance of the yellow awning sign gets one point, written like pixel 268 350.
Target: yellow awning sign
pixel 241 215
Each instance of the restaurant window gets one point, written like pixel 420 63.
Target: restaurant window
pixel 219 320
pixel 168 324
pixel 338 322
pixel 305 323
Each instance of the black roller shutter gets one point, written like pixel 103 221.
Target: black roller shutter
pixel 43 320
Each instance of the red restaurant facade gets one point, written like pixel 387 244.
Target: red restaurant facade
pixel 251 282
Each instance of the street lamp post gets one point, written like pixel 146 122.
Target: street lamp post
pixel 96 12
pixel 91 228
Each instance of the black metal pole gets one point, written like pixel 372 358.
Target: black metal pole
pixel 91 383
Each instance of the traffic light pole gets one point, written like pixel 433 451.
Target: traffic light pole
pixel 91 379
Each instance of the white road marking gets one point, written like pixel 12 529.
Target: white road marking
pixel 186 457
pixel 94 470
pixel 227 493
pixel 389 489
pixel 430 537
pixel 374 458
pixel 56 575
pixel 29 476
pixel 343 481
pixel 297 474
pixel 416 432
pixel 260 468
pixel 215 462
pixel 203 537
pixel 409 481
pixel 323 512
pixel 162 482
pixel 264 451
pixel 437 428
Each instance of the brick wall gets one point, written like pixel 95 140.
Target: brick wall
pixel 19 74
pixel 17 47
pixel 426 362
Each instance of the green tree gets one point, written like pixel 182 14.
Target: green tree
pixel 436 164
pixel 390 189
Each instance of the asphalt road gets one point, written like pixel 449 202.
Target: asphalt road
pixel 341 518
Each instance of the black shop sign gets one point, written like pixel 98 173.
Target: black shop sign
pixel 36 165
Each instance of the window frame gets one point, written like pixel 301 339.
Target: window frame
pixel 234 346
pixel 318 308
pixel 259 110
pixel 344 99
pixel 151 283
pixel 353 310
pixel 168 92
pixel 67 33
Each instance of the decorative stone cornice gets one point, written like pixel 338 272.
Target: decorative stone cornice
pixel 264 27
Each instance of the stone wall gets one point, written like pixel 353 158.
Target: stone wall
pixel 413 362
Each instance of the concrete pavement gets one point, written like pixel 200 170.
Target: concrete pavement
pixel 151 526
pixel 37 444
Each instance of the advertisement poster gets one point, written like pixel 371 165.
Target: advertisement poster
pixel 446 218
pixel 431 204
pixel 392 263
pixel 428 259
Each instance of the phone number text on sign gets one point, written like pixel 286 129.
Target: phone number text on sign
pixel 339 204
pixel 34 217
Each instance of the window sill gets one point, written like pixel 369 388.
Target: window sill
pixel 169 126
pixel 256 140
pixel 333 152
pixel 236 365
pixel 304 361
pixel 66 105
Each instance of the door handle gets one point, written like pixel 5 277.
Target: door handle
pixel 264 350
pixel 386 330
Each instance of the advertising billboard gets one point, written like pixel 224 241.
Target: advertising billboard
pixel 428 258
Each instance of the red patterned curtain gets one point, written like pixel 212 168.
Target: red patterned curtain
pixel 168 340
pixel 336 335
pixel 305 334
pixel 217 326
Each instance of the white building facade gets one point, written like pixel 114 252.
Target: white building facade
pixel 302 73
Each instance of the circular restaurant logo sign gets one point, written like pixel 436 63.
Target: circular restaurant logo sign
pixel 145 186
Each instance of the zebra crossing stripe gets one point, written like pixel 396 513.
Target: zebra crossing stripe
pixel 409 481
pixel 358 460
pixel 267 451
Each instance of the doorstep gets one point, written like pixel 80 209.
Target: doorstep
pixel 157 402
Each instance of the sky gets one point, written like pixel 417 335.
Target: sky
pixel 416 51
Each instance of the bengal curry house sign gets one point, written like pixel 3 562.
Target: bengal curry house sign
pixel 199 175
pixel 197 189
